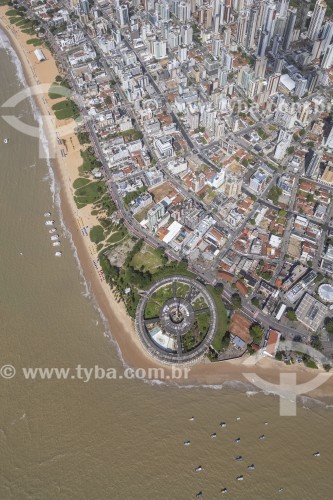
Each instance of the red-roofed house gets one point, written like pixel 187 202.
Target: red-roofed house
pixel 272 344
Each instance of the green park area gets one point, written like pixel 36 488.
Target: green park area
pixel 88 193
pixel 147 260
pixel 222 318
pixel 152 309
pixel 199 303
pixel 162 294
pixel 96 234
pixel 117 235
pixel 34 41
pixel 59 89
pixel 182 290
pixel 89 162
pixel 66 109
pixel 203 321
pixel 196 335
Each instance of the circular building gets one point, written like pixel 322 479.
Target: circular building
pixel 176 319
pixel 325 292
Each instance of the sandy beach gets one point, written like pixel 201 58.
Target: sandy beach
pixel 66 165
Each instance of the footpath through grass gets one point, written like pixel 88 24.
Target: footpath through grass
pixel 89 193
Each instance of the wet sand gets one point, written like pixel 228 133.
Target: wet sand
pixel 121 325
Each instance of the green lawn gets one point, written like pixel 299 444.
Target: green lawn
pixel 34 41
pixel 148 258
pixel 56 91
pixel 89 161
pixel 163 294
pixel 21 23
pixel 96 234
pixel 173 268
pixel 203 321
pixel 188 341
pixel 80 182
pixel 28 31
pixel 14 20
pixel 117 236
pixel 199 303
pixel 12 12
pixel 152 309
pixel 182 290
pixel 90 193
pixel 66 109
pixel 222 318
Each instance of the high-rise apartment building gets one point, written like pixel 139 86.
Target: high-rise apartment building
pixel 317 19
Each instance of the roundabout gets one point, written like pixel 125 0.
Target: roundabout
pixel 176 320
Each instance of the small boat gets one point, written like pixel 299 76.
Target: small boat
pixel 198 469
pixel 187 443
pixel 56 243
pixel 262 436
pixel 224 491
pixel 237 440
pixel 237 418
pixel 47 214
pixel 54 237
pixel 251 467
pixel 266 423
pixel 239 458
pixel 280 489
pixel 199 494
pixel 223 424
pixel 240 478
pixel 191 419
pixel 317 454
pixel 5 140
pixel 49 223
pixel 53 230
pixel 213 435
pixel 58 254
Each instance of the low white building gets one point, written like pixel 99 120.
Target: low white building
pixel 40 55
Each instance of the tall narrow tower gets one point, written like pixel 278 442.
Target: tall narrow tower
pixel 317 19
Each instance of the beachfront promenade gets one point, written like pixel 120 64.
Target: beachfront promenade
pixel 177 317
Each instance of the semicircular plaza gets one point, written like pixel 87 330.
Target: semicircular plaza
pixel 176 319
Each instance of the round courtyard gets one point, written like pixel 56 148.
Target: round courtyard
pixel 176 319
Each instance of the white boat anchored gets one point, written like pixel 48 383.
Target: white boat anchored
pixel 317 454
pixel 223 424
pixel 54 237
pixel 6 140
pixel 53 230
pixel 237 440
pixel 49 223
pixel 240 478
pixel 56 243
pixel 187 443
pixel 198 469
pixel 213 435
pixel 58 254
pixel 251 467
pixel 224 491
pixel 47 214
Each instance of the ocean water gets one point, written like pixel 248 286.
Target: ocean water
pixel 116 439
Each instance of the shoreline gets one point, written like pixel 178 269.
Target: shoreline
pixel 120 324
